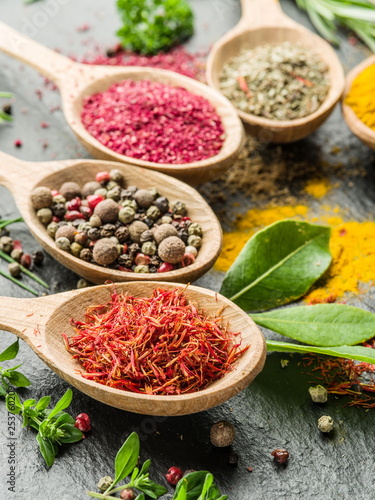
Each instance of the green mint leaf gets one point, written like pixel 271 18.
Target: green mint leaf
pixel 11 352
pixel 145 467
pixel 63 403
pixel 47 449
pixel 18 380
pixel 126 458
pixel 43 403
pixel 71 434
pixel 321 325
pixel 64 418
pixel 344 351
pixel 278 265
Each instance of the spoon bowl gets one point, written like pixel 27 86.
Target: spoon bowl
pixel 356 125
pixel 77 81
pixel 22 177
pixel 41 321
pixel 263 22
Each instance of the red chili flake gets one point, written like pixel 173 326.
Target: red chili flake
pixel 249 469
pixel 44 125
pixel 82 29
pixel 158 345
pixel 154 122
pixel 18 143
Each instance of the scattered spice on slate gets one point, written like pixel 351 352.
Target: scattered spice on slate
pixel 154 122
pixel 278 82
pixel 325 424
pixel 280 455
pixel 173 475
pixel 126 228
pixel 177 59
pixel 157 345
pixel 318 394
pixel 361 96
pixel 83 422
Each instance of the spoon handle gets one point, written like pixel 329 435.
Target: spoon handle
pixel 47 61
pixel 259 13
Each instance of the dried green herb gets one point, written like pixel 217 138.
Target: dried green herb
pixel 355 15
pixel 152 26
pixel 278 265
pixel 279 82
pixel 321 324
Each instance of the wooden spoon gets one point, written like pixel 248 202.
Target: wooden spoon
pixel 264 22
pixel 77 81
pixel 22 177
pixel 365 133
pixel 40 322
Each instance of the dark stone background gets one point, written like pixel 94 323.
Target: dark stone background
pixel 275 410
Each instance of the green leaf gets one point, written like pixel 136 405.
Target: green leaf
pixel 13 403
pixel 320 325
pixel 63 403
pixel 193 483
pixel 149 487
pixel 43 403
pixel 140 497
pixel 10 352
pixel 343 351
pixel 145 467
pixel 47 449
pixel 181 493
pixel 71 434
pixel 126 458
pixel 3 391
pixel 64 418
pixel 18 380
pixel 206 486
pixel 278 265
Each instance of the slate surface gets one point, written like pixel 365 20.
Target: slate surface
pixel 275 410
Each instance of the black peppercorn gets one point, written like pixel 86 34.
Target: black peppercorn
pixel 58 209
pixel 77 222
pixel 155 260
pixel 38 257
pixel 125 261
pixel 149 222
pixel 233 458
pixel 162 203
pixel 4 232
pixel 126 194
pixel 183 235
pixel 93 233
pixel 152 269
pixel 133 249
pixel 107 230
pixel 7 108
pixel 122 234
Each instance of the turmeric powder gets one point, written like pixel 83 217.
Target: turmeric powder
pixel 352 246
pixel 361 96
pixel 317 187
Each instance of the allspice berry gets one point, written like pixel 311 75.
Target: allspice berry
pixel 70 190
pixel 144 198
pixel 222 434
pixel 164 231
pixel 105 252
pixel 136 229
pixel 66 232
pixel 41 197
pixel 171 250
pixel 107 210
pixel 90 188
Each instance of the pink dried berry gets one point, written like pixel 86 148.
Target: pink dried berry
pixel 83 422
pixel 26 260
pixel 93 200
pixel 74 204
pixel 73 215
pixel 174 475
pixel 102 177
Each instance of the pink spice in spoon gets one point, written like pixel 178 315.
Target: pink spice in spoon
pixel 154 122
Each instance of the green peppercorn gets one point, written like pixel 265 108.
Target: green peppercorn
pixel 195 228
pixel 179 208
pixel 149 248
pixel 126 215
pixel 44 215
pixel 116 175
pixel 63 244
pixel 318 394
pixel 52 228
pixel 76 248
pixel 130 203
pixel 59 198
pixel 141 269
pixel 101 192
pixel 95 221
pixel 111 184
pixel 154 192
pixel 114 193
pixel 84 226
pixel 82 283
pixel 153 212
pixel 7 244
pixel 104 483
pixel 16 254
pixel 166 219
pixel 194 241
pixel 14 269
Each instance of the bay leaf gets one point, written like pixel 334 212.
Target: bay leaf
pixel 359 353
pixel 278 265
pixel 321 325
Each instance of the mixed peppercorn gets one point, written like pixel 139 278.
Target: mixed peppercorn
pixel 124 228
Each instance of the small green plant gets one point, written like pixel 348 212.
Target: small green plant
pixel 10 376
pixel 152 26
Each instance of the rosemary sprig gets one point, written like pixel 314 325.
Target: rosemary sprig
pixel 355 15
pixel 4 117
pixel 33 276
pixel 19 283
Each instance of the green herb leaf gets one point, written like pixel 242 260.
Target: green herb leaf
pixel 192 483
pixel 181 494
pixel 63 403
pixel 151 26
pixel 13 403
pixel 126 458
pixel 3 391
pixel 321 325
pixel 344 351
pixel 71 434
pixel 48 449
pixel 18 380
pixel 278 265
pixel 43 403
pixel 10 352
pixel 206 486
pixel 140 497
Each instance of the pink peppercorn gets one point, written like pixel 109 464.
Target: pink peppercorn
pixel 74 204
pixel 18 143
pixel 102 177
pixel 165 267
pixel 142 259
pixel 174 475
pixel 93 200
pixel 86 212
pixel 83 422
pixel 54 192
pixel 154 122
pixel 72 215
